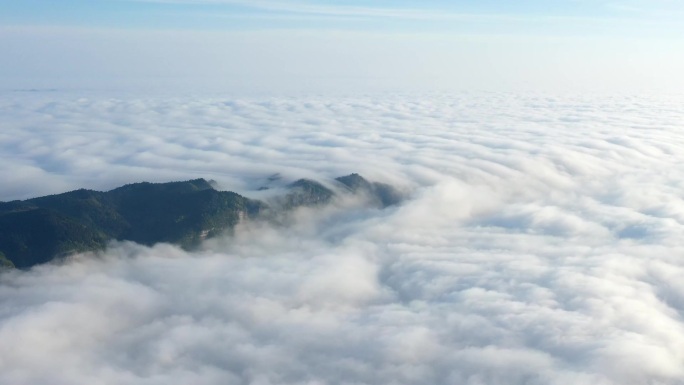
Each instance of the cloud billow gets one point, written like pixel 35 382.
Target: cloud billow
pixel 540 245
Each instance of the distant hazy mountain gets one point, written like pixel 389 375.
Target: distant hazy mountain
pixel 38 230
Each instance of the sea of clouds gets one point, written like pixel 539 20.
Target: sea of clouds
pixel 542 243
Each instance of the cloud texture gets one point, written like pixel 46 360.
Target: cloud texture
pixel 541 245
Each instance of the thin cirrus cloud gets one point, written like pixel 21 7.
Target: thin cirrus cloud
pixel 544 12
pixel 318 8
pixel 541 243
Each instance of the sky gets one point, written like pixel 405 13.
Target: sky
pixel 350 46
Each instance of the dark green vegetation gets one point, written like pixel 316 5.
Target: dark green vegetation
pixel 381 194
pixel 5 263
pixel 305 192
pixel 38 230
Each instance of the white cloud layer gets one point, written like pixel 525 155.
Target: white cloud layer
pixel 542 244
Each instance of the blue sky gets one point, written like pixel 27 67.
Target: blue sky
pixel 654 16
pixel 418 44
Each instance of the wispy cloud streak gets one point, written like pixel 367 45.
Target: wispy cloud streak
pixel 422 13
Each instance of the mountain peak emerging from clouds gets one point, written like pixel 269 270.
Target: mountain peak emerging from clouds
pixel 40 229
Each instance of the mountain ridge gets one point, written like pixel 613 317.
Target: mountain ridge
pixel 38 230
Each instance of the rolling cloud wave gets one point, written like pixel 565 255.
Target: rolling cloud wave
pixel 541 244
